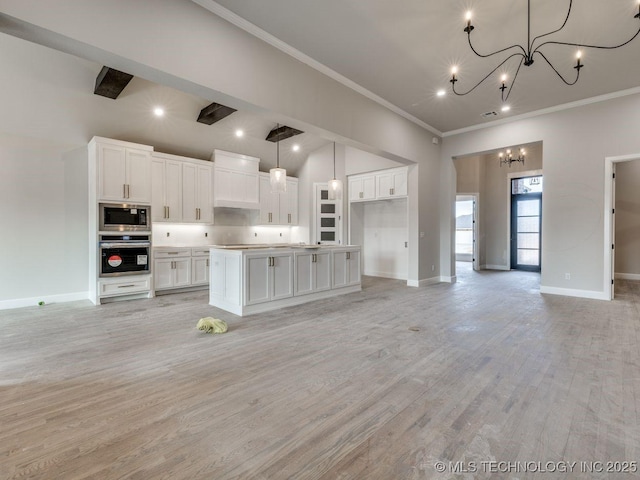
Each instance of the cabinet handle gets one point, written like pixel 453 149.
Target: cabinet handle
pixel 360 194
pixel 348 255
pixel 289 217
pixel 126 286
pixel 124 190
pixel 207 262
pixel 270 217
pixel 128 191
pixel 172 253
pixel 168 212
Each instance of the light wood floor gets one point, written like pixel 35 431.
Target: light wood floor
pixel 343 388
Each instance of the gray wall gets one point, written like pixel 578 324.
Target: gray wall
pixel 627 234
pixel 576 142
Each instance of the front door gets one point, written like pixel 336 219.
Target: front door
pixel 526 223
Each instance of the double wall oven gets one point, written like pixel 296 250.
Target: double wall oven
pixel 124 245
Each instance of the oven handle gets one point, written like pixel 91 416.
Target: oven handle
pixel 125 245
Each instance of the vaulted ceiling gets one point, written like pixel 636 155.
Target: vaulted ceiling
pixel 402 51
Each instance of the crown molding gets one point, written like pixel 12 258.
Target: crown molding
pixel 217 9
pixel 545 111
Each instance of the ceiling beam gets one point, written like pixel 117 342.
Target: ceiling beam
pixel 282 133
pixel 214 113
pixel 110 82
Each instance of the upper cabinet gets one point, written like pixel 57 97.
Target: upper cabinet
pixel 236 183
pixel 278 208
pixel 181 189
pixel 380 185
pixel 124 171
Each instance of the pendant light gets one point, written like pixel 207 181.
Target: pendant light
pixel 278 176
pixel 335 186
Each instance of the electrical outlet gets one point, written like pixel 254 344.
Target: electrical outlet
pixel 567 276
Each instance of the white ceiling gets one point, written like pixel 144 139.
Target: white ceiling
pixel 48 95
pixel 402 51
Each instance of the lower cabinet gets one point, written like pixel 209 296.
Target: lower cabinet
pixel 268 277
pixel 183 267
pixel 247 281
pixel 346 267
pixel 313 272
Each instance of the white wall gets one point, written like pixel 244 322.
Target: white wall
pixel 576 142
pixel 627 205
pixel 359 161
pixel 43 213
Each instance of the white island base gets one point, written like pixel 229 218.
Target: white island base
pixel 245 280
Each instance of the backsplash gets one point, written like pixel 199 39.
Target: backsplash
pixel 173 235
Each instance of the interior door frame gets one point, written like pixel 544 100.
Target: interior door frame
pixel 608 286
pixel 511 176
pixel 513 246
pixel 475 198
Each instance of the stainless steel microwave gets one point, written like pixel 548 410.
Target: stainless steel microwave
pixel 124 217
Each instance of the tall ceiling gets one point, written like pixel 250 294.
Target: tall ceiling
pixel 402 51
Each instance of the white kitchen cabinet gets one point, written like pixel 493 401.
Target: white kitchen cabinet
pixel 171 273
pixel 166 189
pixel 268 277
pixel 124 171
pixel 278 208
pixel 196 193
pixel 236 183
pixel 391 183
pixel 199 266
pixel 346 267
pixel 112 287
pixel 362 187
pixel 312 271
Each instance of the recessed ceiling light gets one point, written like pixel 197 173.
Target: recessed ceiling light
pixel 239 133
pixel 441 93
pixel 505 108
pixel 295 148
pixel 158 112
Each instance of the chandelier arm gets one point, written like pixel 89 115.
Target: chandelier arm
pixel 496 52
pixel 566 19
pixel 453 83
pixel 557 72
pixel 513 82
pixel 602 47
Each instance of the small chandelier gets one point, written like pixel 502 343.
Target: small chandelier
pixel 278 176
pixel 508 158
pixel 335 186
pixel 527 53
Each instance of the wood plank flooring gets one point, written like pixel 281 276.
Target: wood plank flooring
pixel 343 388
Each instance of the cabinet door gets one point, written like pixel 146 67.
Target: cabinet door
pixel 304 273
pixel 400 183
pixel 282 271
pixel 158 210
pixel 199 270
pixel 322 271
pixel 189 193
pixel 203 193
pixel 355 189
pixel 266 201
pixel 173 190
pixel 111 172
pixel 384 185
pixel 222 184
pixel 340 270
pixel 291 217
pixel 257 284
pixel 182 272
pixel 251 188
pixel 369 187
pixel 353 264
pixel 138 176
pixel 162 273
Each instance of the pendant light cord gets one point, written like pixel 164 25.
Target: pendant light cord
pixel 334 160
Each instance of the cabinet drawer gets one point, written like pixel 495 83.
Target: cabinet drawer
pixel 125 286
pixel 172 253
pixel 200 252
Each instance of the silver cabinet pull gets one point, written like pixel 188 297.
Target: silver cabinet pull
pixel 124 190
pixel 207 262
pixel 348 255
pixel 168 212
pixel 126 286
pixel 289 218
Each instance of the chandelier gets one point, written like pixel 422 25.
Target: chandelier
pixel 527 54
pixel 508 158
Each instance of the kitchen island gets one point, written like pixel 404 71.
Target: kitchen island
pixel 248 279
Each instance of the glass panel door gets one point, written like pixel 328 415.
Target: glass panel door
pixel 526 222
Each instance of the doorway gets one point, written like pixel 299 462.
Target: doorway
pixel 526 223
pixel 467 229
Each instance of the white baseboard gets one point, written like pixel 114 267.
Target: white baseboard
pixel 33 301
pixel 395 276
pixel 626 276
pixel 570 292
pixel 495 267
pixel 430 281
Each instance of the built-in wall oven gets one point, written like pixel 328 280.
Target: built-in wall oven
pixel 123 217
pixel 128 254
